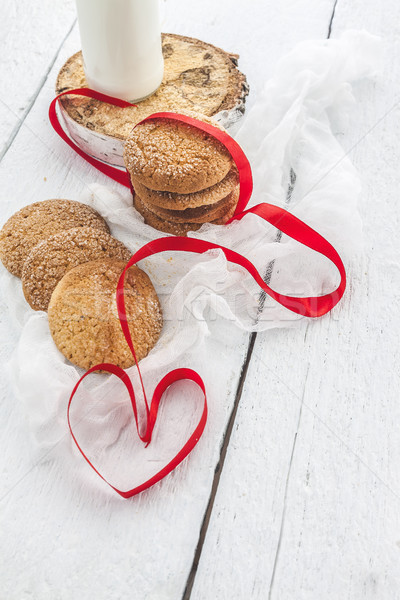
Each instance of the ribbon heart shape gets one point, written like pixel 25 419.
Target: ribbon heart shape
pixel 314 306
pixel 151 413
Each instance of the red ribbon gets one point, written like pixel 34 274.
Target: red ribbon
pixel 118 175
pixel 166 381
pixel 122 176
pixel 313 306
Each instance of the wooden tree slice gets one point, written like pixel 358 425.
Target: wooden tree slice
pixel 198 77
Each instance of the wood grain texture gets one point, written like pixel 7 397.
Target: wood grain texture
pixel 31 35
pixel 311 509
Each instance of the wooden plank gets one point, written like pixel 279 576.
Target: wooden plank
pixel 31 34
pixel 61 538
pixel 308 505
pixel 239 550
pixel 354 452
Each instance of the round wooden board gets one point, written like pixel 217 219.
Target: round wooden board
pixel 198 77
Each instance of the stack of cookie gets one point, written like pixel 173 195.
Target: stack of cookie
pixel 70 265
pixel 182 176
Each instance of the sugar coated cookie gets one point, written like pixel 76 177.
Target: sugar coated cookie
pixel 48 262
pixel 174 228
pixel 36 222
pixel 171 201
pixel 167 155
pixel 201 214
pixel 83 315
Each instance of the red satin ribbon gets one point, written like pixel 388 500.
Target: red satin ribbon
pixel 163 385
pixel 314 306
pixel 122 177
pixel 118 175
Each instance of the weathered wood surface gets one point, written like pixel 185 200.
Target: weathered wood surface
pixel 307 502
pixel 31 34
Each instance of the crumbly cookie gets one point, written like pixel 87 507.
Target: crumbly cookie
pixel 201 214
pixel 174 228
pixel 171 201
pixel 197 76
pixel 83 316
pixel 48 262
pixel 36 222
pixel 172 156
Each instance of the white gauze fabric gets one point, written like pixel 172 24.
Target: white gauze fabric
pixel 298 164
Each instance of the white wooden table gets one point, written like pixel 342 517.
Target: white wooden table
pixel 294 491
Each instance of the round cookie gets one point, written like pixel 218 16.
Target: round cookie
pixel 36 222
pixel 167 155
pixel 83 316
pixel 173 228
pixel 201 214
pixel 48 262
pixel 197 77
pixel 171 201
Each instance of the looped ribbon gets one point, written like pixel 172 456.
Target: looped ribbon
pixel 314 306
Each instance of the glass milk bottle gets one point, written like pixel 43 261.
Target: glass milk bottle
pixel 121 46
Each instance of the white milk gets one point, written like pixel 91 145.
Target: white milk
pixel 121 45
